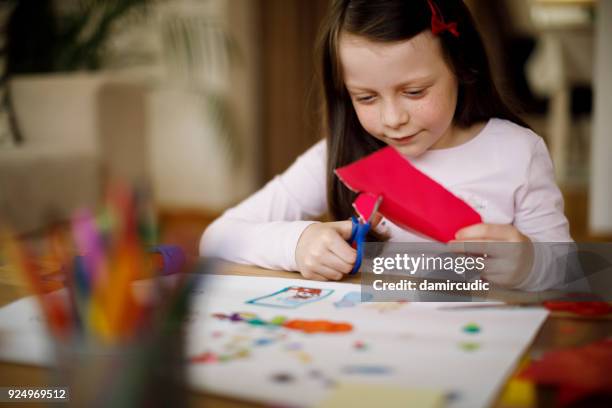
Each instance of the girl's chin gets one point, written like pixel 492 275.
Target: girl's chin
pixel 410 151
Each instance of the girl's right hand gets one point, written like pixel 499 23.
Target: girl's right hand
pixel 323 253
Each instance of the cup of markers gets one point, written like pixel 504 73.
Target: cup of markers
pixel 143 369
pixel 117 324
pixel 144 372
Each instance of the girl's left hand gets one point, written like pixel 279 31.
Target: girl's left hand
pixel 509 252
pixel 490 232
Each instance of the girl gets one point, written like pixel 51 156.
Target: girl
pixel 412 74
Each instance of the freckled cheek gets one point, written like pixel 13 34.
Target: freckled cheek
pixel 369 119
pixel 435 114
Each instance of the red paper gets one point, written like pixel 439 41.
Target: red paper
pixel 579 308
pixel 578 372
pixel 364 205
pixel 411 199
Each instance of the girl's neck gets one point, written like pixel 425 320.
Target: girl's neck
pixel 459 135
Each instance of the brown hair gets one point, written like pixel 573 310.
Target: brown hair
pixel 388 21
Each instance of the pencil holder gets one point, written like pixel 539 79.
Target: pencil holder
pixel 147 372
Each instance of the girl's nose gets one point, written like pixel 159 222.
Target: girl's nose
pixel 393 116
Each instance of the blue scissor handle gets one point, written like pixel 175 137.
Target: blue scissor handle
pixel 358 235
pixel 354 228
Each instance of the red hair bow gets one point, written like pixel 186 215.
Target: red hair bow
pixel 437 23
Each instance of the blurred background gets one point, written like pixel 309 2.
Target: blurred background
pixel 203 101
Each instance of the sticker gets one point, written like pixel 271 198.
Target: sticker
pixel 353 298
pixel 366 369
pixel 210 357
pixel 293 346
pixel 283 378
pixel 385 307
pixel 292 297
pixel 303 357
pixel 264 341
pixel 471 328
pixel 469 345
pixel 206 357
pixel 306 326
pixel 318 326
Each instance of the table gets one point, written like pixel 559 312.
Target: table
pixel 550 337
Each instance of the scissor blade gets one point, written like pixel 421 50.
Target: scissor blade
pixel 375 209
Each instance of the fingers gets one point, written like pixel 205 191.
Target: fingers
pixel 505 273
pixel 328 268
pixel 330 273
pixel 324 263
pixel 482 232
pixel 490 232
pixel 322 252
pixel 338 254
pixel 322 273
pixel 470 247
pixel 314 276
pixel 338 264
pixel 342 250
pixel 344 228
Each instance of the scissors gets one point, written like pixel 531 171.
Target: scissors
pixel 359 231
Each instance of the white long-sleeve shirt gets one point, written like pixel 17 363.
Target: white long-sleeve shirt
pixel 505 173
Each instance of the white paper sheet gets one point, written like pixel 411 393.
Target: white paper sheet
pixel 406 344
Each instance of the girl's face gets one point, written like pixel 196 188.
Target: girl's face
pixel 404 93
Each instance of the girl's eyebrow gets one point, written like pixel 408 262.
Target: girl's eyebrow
pixel 412 82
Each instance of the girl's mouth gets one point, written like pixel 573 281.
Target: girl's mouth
pixel 403 140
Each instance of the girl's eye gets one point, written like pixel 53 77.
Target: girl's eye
pixel 364 99
pixel 415 93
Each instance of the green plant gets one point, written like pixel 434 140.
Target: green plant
pixel 41 40
pixel 196 47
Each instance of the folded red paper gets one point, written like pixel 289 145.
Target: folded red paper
pixel 411 199
pixel 579 372
pixel 364 205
